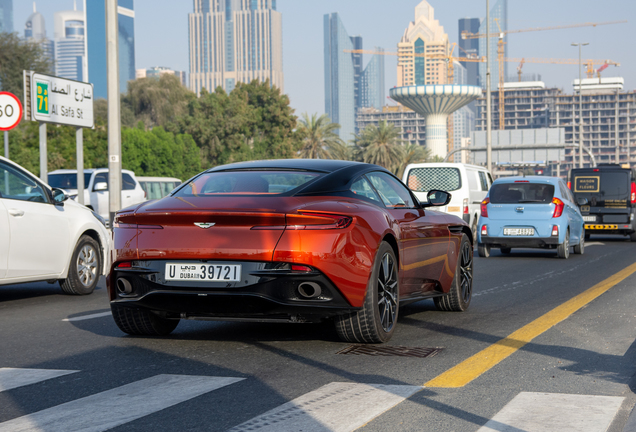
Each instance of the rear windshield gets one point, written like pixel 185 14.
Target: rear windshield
pixel 607 186
pixel 67 181
pixel 246 183
pixel 429 178
pixel 515 193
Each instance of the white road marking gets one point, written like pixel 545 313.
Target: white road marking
pixel 11 378
pixel 87 317
pixel 594 244
pixel 335 407
pixel 547 412
pixel 111 408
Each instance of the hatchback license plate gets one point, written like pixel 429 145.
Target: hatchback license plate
pixel 519 231
pixel 589 218
pixel 216 272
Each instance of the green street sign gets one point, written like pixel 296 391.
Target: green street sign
pixel 42 98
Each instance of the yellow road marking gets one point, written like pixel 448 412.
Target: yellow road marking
pixel 484 360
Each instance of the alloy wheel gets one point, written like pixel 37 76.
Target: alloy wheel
pixel 387 292
pixel 466 272
pixel 87 265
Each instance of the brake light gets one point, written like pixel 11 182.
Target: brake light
pixel 301 268
pixel 466 205
pixel 522 181
pixel 570 185
pixel 484 230
pixel 555 230
pixel 558 210
pixel 311 221
pixel 633 192
pixel 596 170
pixel 125 264
pixel 484 207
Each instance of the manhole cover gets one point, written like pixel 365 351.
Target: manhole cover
pixel 380 350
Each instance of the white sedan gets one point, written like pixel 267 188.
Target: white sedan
pixel 46 237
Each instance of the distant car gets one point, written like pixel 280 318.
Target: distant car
pixel 468 184
pixel 288 241
pixel 46 237
pixel 531 212
pixel 96 188
pixel 610 190
pixel 158 187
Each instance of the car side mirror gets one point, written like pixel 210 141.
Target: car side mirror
pixel 437 198
pixel 59 196
pixel 582 201
pixel 101 186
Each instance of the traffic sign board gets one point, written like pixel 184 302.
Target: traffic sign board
pixel 10 111
pixel 60 100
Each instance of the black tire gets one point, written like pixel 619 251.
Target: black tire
pixel 632 237
pixel 563 250
pixel 84 268
pixel 579 249
pixel 587 236
pixel 142 322
pixel 461 291
pixel 376 321
pixel 474 229
pixel 483 250
pixel 506 250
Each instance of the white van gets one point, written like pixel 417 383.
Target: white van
pixel 96 188
pixel 158 187
pixel 468 185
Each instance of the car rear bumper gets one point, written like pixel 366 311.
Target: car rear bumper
pixel 516 242
pixel 604 228
pixel 263 294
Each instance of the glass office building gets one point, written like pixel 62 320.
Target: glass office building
pixel 35 30
pixel 498 20
pixel 373 92
pixel 469 48
pixel 96 44
pixel 70 49
pixel 6 16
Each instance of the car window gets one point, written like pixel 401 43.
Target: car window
pixel 425 179
pixel 483 181
pixel 563 189
pixel 67 180
pixel 18 186
pixel 392 192
pixel 362 187
pixel 127 182
pixel 521 192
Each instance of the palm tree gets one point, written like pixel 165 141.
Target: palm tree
pixel 319 139
pixel 381 145
pixel 413 153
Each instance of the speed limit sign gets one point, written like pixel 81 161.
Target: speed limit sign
pixel 10 111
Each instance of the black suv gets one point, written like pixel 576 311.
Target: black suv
pixel 610 191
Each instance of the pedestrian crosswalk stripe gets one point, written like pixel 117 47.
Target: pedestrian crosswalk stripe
pixel 11 378
pixel 111 408
pixel 335 407
pixel 554 412
pixel 87 317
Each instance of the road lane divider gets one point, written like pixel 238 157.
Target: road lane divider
pixel 87 317
pixel 11 378
pixel 489 357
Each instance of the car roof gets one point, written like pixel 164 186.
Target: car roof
pixel 529 179
pixel 88 171
pixel 324 165
pixel 141 179
pixel 444 165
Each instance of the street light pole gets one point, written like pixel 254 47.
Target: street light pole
pixel 488 102
pixel 580 108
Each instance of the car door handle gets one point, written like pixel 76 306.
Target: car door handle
pixel 16 212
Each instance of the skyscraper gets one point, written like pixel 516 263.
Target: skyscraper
pixel 498 20
pixel 96 44
pixel 6 16
pixel 69 34
pixel 35 30
pixel 426 36
pixel 349 86
pixel 469 48
pixel 235 41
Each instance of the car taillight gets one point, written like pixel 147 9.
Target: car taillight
pixel 633 192
pixel 558 209
pixel 311 221
pixel 125 264
pixel 555 230
pixel 484 230
pixel 484 207
pixel 465 206
pixel 301 268
pixel 570 185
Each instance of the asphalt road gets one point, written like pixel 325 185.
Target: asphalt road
pixel 219 375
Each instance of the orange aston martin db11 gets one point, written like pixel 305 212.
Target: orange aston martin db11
pixel 288 241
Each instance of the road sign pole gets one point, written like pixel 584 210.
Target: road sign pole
pixel 114 120
pixel 79 137
pixel 6 144
pixel 44 175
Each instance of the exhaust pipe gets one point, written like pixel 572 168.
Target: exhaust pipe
pixel 124 286
pixel 309 290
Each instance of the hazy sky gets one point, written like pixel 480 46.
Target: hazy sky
pixel 161 33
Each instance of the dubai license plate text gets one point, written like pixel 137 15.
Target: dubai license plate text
pixel 217 272
pixel 519 231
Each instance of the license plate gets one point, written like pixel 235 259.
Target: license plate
pixel 519 231
pixel 216 272
pixel 589 218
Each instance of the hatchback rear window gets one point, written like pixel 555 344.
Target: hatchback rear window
pixel 515 193
pixel 434 178
pixel 246 183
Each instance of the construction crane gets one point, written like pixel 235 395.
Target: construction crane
pixel 520 67
pixel 468 35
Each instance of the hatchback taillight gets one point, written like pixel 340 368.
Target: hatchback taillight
pixel 484 230
pixel 558 209
pixel 484 207
pixel 465 206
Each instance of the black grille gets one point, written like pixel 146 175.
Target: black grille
pixel 399 351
